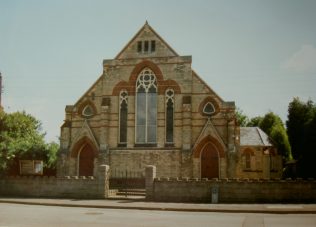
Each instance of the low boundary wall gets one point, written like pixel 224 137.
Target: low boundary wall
pixel 67 187
pixel 234 190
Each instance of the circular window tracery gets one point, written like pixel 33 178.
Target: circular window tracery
pixel 209 108
pixel 146 81
pixel 87 111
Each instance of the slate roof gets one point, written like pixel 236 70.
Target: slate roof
pixel 253 136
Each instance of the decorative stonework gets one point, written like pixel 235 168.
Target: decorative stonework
pixel 180 112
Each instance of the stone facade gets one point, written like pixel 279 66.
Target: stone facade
pixel 234 190
pixel 61 187
pixel 149 107
pixel 257 158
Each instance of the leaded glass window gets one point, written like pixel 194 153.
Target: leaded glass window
pixel 123 116
pixel 169 115
pixel 146 107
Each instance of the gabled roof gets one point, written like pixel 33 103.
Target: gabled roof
pixel 253 136
pixel 125 53
pixel 208 87
pixel 146 26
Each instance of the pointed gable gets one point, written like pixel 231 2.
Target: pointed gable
pixel 210 131
pixel 84 132
pixel 146 43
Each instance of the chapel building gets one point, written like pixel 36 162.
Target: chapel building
pixel 149 107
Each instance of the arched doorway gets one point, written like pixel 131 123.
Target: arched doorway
pixel 85 161
pixel 209 162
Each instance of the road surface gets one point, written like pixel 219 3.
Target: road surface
pixel 17 215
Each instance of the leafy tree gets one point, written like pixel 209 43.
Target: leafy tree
pixel 269 121
pixel 21 138
pixel 280 140
pixel 274 127
pixel 254 122
pixel 241 118
pixel 244 121
pixel 301 128
pixel 52 149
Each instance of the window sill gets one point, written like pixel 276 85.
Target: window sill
pixel 122 145
pixel 169 144
pixel 145 145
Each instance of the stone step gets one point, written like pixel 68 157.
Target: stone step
pixel 131 191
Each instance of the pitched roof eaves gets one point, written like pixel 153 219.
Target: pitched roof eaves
pixel 210 89
pixel 260 136
pixel 172 50
pixel 78 101
pixel 261 133
pixel 134 37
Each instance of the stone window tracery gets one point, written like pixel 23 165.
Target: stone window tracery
pixel 209 108
pixel 87 111
pixel 146 107
pixel 169 115
pixel 123 111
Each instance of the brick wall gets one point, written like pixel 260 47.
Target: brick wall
pixel 66 187
pixel 235 191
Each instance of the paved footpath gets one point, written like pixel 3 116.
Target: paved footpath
pixel 140 204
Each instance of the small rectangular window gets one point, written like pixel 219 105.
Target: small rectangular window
pixel 153 45
pixel 139 46
pixel 146 46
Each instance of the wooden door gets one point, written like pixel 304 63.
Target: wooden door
pixel 209 162
pixel 86 161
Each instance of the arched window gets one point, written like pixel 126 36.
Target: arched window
pixel 123 117
pixel 146 107
pixel 169 115
pixel 87 111
pixel 209 108
pixel 248 161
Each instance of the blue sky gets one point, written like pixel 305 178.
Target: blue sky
pixel 259 54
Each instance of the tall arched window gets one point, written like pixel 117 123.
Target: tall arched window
pixel 146 107
pixel 123 117
pixel 169 115
pixel 248 161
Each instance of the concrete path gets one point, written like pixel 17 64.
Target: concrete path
pixel 139 204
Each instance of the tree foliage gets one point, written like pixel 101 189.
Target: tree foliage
pixel 21 137
pixel 254 122
pixel 273 126
pixel 52 149
pixel 241 118
pixel 301 129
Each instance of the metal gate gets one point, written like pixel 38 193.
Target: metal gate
pixel 127 184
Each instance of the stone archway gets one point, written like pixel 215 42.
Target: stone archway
pixel 209 162
pixel 85 161
pixel 210 158
pixel 84 153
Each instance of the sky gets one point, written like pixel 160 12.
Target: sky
pixel 259 54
